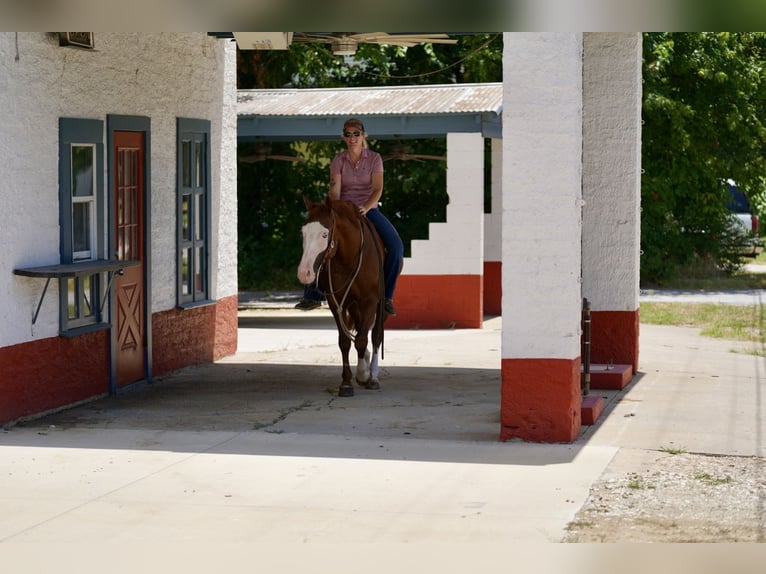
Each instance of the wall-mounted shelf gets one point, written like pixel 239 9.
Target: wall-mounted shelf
pixel 60 270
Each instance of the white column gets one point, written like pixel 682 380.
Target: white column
pixel 542 170
pixel 612 170
pixel 493 222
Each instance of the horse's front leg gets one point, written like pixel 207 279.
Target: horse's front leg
pixel 363 359
pixel 346 389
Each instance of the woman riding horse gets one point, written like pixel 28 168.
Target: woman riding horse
pixel 357 175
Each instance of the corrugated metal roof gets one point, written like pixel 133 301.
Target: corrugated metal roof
pixel 380 100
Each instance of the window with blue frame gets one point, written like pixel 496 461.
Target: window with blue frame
pixel 193 211
pixel 81 217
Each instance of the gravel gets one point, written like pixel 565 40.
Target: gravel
pixel 683 497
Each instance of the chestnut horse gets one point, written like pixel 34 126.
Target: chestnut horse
pixel 343 253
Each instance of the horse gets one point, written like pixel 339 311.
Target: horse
pixel 343 253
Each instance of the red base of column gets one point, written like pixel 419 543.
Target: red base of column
pixel 437 302
pixel 493 287
pixel 615 377
pixel 614 337
pixel 592 407
pixel 541 399
pixel 185 337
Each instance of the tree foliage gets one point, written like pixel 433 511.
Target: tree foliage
pixel 704 112
pixel 270 211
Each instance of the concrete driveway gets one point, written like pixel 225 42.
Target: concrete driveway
pixel 256 449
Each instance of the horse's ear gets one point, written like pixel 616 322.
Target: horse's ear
pixel 328 200
pixel 306 201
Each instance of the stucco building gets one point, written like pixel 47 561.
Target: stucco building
pixel 119 217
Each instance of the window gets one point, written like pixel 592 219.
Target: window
pixel 81 205
pixel 83 191
pixel 193 211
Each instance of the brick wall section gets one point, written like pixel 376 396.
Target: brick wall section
pixel 47 374
pixel 181 338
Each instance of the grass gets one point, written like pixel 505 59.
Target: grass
pixel 735 322
pixel 712 480
pixel 732 322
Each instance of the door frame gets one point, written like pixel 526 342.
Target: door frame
pixel 121 123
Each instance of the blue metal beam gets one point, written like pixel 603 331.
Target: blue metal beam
pixel 328 128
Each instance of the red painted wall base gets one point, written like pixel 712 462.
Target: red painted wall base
pixel 437 302
pixel 184 337
pixel 592 407
pixel 614 337
pixel 43 375
pixel 540 400
pixel 48 374
pixel 493 287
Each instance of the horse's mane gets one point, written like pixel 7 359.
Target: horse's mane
pixel 345 209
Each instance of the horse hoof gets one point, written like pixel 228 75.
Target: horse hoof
pixel 372 385
pixel 346 391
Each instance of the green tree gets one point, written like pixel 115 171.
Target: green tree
pixel 704 112
pixel 270 207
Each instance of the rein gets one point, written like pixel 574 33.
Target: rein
pixel 351 279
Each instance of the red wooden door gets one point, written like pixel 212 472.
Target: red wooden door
pixel 130 320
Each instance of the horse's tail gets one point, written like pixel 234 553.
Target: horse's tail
pixel 380 316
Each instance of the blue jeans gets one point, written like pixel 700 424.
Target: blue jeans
pixel 394 256
pixel 394 249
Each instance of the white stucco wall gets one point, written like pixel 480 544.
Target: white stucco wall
pixel 542 200
pixel 455 247
pixel 612 170
pixel 159 75
pixel 493 221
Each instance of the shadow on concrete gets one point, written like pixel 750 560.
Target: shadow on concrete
pixel 283 402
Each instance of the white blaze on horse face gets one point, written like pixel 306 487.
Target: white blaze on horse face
pixel 315 238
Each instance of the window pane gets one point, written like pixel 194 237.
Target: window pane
pixel 127 243
pixel 198 216
pixel 121 243
pixel 88 285
pixel 198 164
pixel 185 272
pixel 185 227
pixel 199 277
pixel 82 171
pixel 81 228
pixel 186 162
pixel 125 168
pixel 71 298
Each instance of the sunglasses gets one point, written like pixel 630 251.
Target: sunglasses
pixel 349 134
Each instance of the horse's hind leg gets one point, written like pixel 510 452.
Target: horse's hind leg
pixel 364 373
pixel 374 380
pixel 363 368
